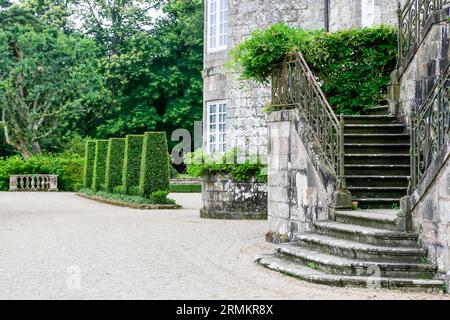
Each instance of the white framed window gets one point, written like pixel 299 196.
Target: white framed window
pixel 217 25
pixel 216 126
pixel 368 13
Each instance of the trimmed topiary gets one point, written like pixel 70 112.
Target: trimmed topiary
pixel 89 160
pixel 114 163
pixel 155 164
pixel 101 153
pixel 132 163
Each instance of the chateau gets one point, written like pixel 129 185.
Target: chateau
pixel 233 109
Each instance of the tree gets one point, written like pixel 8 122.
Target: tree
pixel 46 77
pixel 159 72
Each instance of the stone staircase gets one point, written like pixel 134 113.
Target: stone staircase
pixel 364 247
pixel 377 160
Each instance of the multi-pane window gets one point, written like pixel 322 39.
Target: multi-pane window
pixel 217 25
pixel 217 117
pixel 368 13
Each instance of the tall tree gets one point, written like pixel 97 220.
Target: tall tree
pixel 159 72
pixel 46 77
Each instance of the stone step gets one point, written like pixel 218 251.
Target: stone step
pixel 285 266
pixel 353 158
pixel 380 110
pixel 377 169
pixel 361 251
pixel 377 181
pixel 376 138
pixel 366 234
pixel 370 119
pixel 378 192
pixel 380 219
pixel 350 267
pixel 377 203
pixel 377 148
pixel 374 128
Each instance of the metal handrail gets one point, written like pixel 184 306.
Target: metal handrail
pixel 430 129
pixel 413 18
pixel 294 85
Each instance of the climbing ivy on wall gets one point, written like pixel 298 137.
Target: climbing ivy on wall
pixel 353 66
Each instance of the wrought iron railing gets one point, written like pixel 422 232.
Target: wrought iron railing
pixel 294 85
pixel 430 129
pixel 412 21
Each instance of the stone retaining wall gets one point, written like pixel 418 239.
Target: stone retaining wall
pixel 224 198
pixel 301 190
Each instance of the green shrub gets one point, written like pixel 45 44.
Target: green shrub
pixel 99 175
pixel 185 188
pixel 353 65
pixel 154 164
pixel 132 163
pixel 155 198
pixel 69 169
pixel 89 160
pixel 160 197
pixel 199 164
pixel 114 163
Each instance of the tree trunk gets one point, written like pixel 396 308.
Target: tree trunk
pixel 36 148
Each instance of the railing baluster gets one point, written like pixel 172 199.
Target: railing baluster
pixel 293 84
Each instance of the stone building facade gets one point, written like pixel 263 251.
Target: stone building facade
pixel 233 109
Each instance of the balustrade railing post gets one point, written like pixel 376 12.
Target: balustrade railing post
pixel 342 153
pixel 400 34
pixel 413 182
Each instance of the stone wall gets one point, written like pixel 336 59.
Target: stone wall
pixel 431 211
pixel 246 121
pixel 418 78
pixel 300 190
pixel 224 198
pixel 348 13
pixel 430 203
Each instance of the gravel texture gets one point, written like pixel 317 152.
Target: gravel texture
pixel 60 246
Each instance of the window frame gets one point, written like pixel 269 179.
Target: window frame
pixel 366 9
pixel 217 134
pixel 217 23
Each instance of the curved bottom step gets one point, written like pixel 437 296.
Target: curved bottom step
pixel 276 263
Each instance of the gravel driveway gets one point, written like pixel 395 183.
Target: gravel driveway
pixel 60 246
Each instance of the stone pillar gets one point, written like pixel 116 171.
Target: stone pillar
pixel 53 183
pixel 13 183
pixel 277 167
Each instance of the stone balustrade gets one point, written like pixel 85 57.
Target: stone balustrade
pixel 33 182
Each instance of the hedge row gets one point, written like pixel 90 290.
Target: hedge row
pixel 99 172
pixel 155 164
pixel 114 164
pixel 89 164
pixel 132 162
pixel 136 164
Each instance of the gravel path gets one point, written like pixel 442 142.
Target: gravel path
pixel 60 246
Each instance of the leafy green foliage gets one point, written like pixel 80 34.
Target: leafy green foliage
pixel 353 65
pixel 46 79
pixel 156 198
pixel 200 164
pixel 69 169
pixel 132 163
pixel 155 164
pixel 89 160
pixel 114 163
pixel 99 175
pixel 158 74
